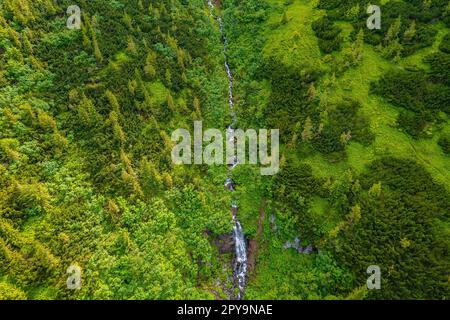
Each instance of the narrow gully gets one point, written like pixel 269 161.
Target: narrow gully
pixel 240 266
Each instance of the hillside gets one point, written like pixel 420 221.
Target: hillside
pixel 87 181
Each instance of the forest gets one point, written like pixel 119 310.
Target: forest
pixel 87 181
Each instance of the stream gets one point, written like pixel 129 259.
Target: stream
pixel 240 265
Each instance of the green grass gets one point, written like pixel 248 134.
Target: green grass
pixel 158 92
pixel 294 44
pixel 389 140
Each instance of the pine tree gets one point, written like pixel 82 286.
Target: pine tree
pixel 355 214
pixel 113 210
pixel 392 46
pixel 307 133
pixel 358 48
pixel 427 4
pixel 197 108
pixel 168 77
pixel 46 121
pixel 312 92
pixel 129 175
pixel 131 46
pixel 97 53
pixel 141 6
pixel 86 30
pixel 167 180
pixel 375 190
pixel 353 12
pixel 14 37
pixel 293 143
pixel 117 129
pixel 393 31
pixel 181 56
pixel 113 101
pixel 27 46
pixel 128 22
pixel 150 62
pixel 87 112
pixel 284 18
pixel 151 179
pixel 132 85
pixel 170 102
pixel 410 32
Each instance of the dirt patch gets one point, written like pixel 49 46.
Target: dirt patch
pixel 253 244
pixel 223 242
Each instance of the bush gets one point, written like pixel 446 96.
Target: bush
pixel 444 143
pixel 397 232
pixel 328 34
pixel 421 95
pixel 445 44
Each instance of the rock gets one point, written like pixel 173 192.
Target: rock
pixel 229 184
pixel 234 211
pixel 253 243
pixel 297 246
pixel 294 245
pixel 308 250
pixel 225 243
pixel 273 226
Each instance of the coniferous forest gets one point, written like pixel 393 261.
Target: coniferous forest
pixel 93 207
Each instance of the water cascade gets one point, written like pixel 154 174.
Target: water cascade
pixel 240 266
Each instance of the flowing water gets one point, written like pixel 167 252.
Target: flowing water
pixel 240 266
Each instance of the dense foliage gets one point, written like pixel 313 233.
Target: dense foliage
pixel 354 182
pixel 328 34
pixel 400 225
pixel 85 171
pixel 421 95
pixel 86 176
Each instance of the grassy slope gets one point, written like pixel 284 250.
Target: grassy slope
pixel 295 43
pixel 214 110
pixel 295 50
